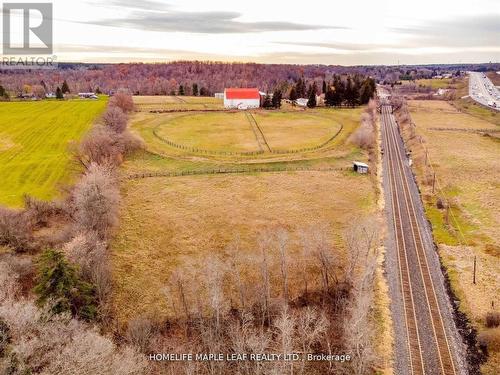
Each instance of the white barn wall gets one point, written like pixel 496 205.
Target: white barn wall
pixel 241 103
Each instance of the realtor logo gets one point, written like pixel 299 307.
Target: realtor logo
pixel 27 28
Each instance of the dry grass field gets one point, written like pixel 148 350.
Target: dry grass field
pixel 171 223
pixel 466 164
pixel 186 221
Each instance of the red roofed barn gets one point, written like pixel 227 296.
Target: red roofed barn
pixel 241 98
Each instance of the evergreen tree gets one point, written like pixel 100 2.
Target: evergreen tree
pixel 311 103
pixel 65 88
pixel 324 88
pixel 300 88
pixel 58 283
pixel 367 90
pixel 267 102
pixel 330 97
pixel 59 93
pixel 2 91
pixel 181 90
pixel 276 101
pixel 204 92
pixel 195 89
pixel 293 95
pixel 351 93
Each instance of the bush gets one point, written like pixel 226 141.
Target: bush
pixel 139 333
pixel 489 340
pixel 123 100
pixel 100 146
pixel 59 286
pixel 39 212
pixel 16 230
pixel 62 345
pixel 4 337
pixel 89 252
pixel 492 319
pixel 116 119
pixel 96 199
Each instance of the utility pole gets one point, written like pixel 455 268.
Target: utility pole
pixel 433 182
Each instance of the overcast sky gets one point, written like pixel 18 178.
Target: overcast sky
pixel 318 31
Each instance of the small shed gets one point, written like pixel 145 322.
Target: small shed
pixel 360 167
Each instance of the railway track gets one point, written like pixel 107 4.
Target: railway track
pixel 427 342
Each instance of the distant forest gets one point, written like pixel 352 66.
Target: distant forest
pixel 204 78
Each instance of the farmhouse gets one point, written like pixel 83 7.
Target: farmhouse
pixel 87 95
pixel 241 98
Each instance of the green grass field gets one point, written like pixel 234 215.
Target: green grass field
pixel 217 131
pixel 292 130
pixel 34 140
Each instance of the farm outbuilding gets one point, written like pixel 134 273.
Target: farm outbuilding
pixel 241 98
pixel 360 167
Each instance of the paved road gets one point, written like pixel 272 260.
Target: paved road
pixel 482 90
pixel 427 340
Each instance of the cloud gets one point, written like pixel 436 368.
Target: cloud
pixel 133 4
pixel 482 30
pixel 353 47
pixel 215 22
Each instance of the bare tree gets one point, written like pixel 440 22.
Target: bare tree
pixel 139 333
pixel 282 237
pixel 264 246
pixel 115 118
pixel 123 100
pixel 96 199
pixel 234 250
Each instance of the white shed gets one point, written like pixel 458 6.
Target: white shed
pixel 360 167
pixel 241 98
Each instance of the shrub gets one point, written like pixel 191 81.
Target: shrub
pixel 115 118
pixel 4 337
pixel 62 345
pixel 492 319
pixel 16 230
pixel 39 212
pixel 89 252
pixel 96 199
pixel 59 286
pixel 489 340
pixel 100 146
pixel 123 100
pixel 139 333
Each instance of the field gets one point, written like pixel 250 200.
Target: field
pixel 436 83
pixel 169 223
pixel 149 103
pixel 34 140
pixel 466 178
pixel 185 222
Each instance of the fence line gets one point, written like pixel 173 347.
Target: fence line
pixel 214 171
pixel 246 153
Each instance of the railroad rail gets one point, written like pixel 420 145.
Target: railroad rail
pixel 414 272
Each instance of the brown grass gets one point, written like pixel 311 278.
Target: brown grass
pixel 466 166
pixel 185 221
